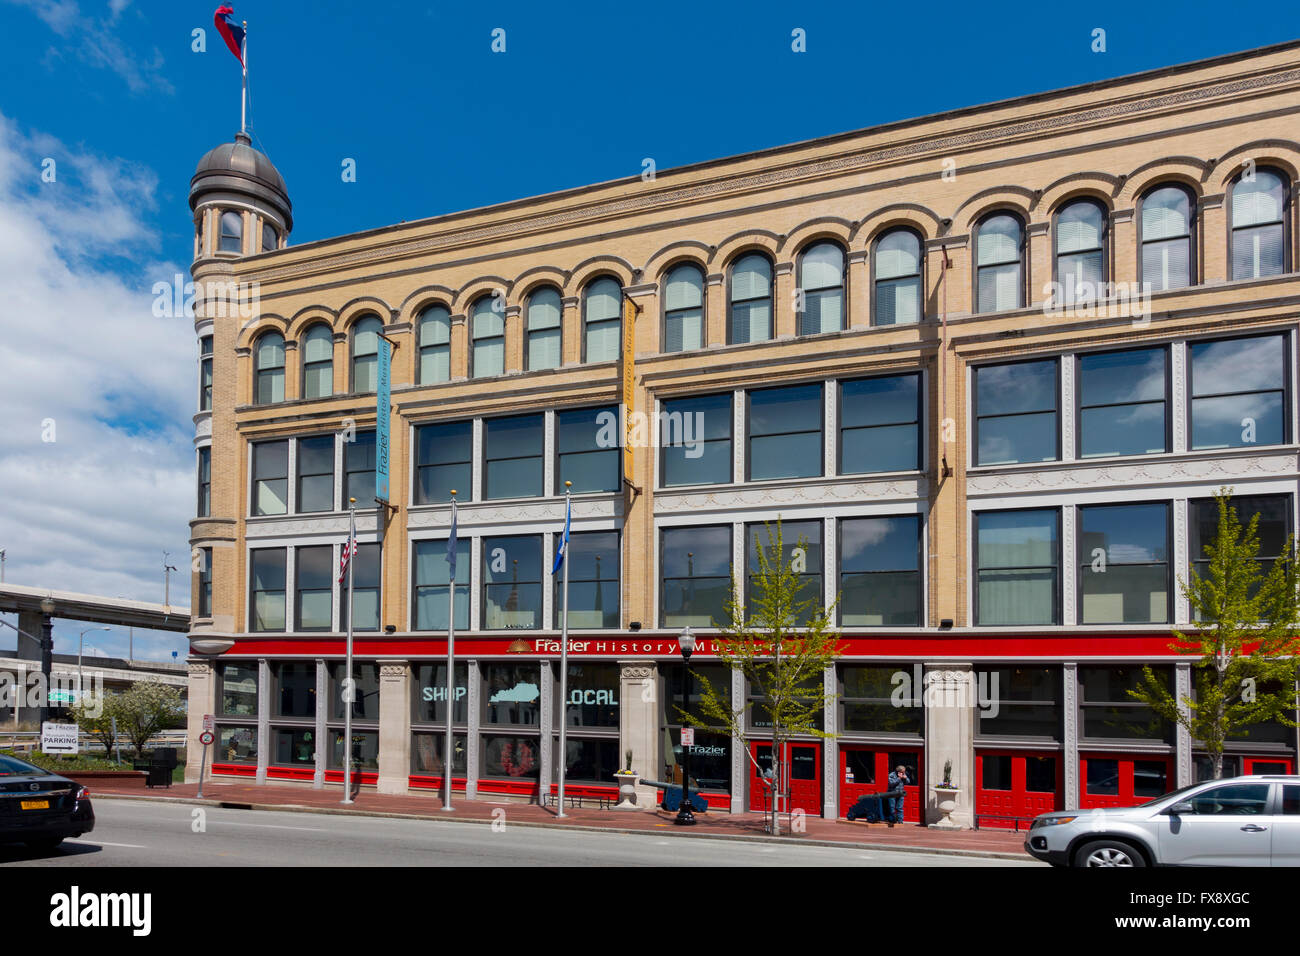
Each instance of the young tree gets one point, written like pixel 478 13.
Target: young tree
pixel 95 716
pixel 781 639
pixel 1246 641
pixel 145 708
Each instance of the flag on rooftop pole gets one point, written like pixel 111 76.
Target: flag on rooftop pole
pixel 236 37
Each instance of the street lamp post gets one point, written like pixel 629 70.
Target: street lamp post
pixel 81 643
pixel 686 641
pixel 47 653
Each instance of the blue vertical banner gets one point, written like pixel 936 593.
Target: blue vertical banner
pixel 382 402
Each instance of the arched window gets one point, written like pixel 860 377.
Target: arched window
pixel 365 354
pixel 318 362
pixel 435 345
pixel 751 300
pixel 999 263
pixel 602 319
pixel 545 313
pixel 487 349
pixel 896 263
pixel 232 232
pixel 1259 225
pixel 1080 250
pixel 268 369
pixel 1166 224
pixel 270 240
pixel 684 309
pixel 821 279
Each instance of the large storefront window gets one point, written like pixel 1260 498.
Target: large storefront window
pixel 365 702
pixel 1016 412
pixel 432 577
pixel 512 694
pixel 785 432
pixel 1239 392
pixel 695 566
pixel 1109 713
pixel 443 462
pixel 511 757
pixel 760 716
pixel 427 750
pixel 294 688
pixel 594 590
pixel 429 699
pixel 365 749
pixel 880 424
pixel 801 551
pixel 881 699
pixel 238 690
pixel 593 696
pixel 711 755
pixel 293 746
pixel 695 440
pixel 236 745
pixel 1122 398
pixel 1017 562
pixel 591 759
pixel 267 600
pixel 1019 702
pixel 1124 564
pixel 512 582
pixel 365 589
pixel 880 572
pixel 512 457
pixel 587 449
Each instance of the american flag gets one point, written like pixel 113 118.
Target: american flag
pixel 349 549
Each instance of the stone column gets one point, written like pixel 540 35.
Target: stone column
pixel 715 309
pixel 1184 766
pixel 858 279
pixel 394 726
pixel 1070 743
pixel 950 699
pixel 638 722
pixel 292 374
pixel 202 700
pixel 341 356
pixel 831 754
pixel 459 347
pixel 472 711
pixel 739 762
pixel 1038 263
pixel 515 360
pixel 546 772
pixel 1211 230
pixel 321 731
pixel 571 331
pixel 264 718
pixel 1123 246
pixel 784 320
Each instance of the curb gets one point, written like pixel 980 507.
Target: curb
pixel 734 838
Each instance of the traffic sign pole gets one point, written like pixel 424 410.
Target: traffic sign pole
pixel 205 738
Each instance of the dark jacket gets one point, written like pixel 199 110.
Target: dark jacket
pixel 897 783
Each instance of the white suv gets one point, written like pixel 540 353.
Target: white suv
pixel 1241 821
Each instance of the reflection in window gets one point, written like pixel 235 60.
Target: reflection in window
pixel 315 474
pixel 695 440
pixel 1167 257
pixel 785 432
pixel 512 694
pixel 593 696
pixel 236 745
pixel 1016 412
pixel 294 746
pixel 1124 564
pixel 880 424
pixel 897 265
pixel 359 469
pixel 267 599
pixel 443 461
pixel 1028 701
pixel 232 232
pixel 511 757
pixel 426 754
pixel 432 577
pixel 205 374
pixel 365 589
pixel 512 457
pixel 1259 210
pixel 205 481
pixel 880 572
pixel 593 559
pixel 365 749
pixel 314 593
pixel 1122 403
pixel 1109 712
pixel 1017 561
pixel 1273 528
pixel 684 309
pixel 270 478
pixel 365 699
pixel 429 695
pixel 205 583
pixel 238 690
pixel 801 551
pixel 695 565
pixel 512 582
pixel 821 280
pixel 1238 392
pixel 751 300
pixel 587 449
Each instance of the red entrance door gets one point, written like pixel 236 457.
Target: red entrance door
pixel 1123 780
pixel 865 769
pixel 1011 785
pixel 802 767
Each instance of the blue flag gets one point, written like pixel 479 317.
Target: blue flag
pixel 451 548
pixel 564 539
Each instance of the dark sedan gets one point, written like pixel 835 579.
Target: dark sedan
pixel 40 808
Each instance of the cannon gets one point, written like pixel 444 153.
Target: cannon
pixel 673 796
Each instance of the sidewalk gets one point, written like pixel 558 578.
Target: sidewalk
pixel 740 826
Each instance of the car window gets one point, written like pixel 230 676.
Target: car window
pixel 12 766
pixel 1291 800
pixel 1238 799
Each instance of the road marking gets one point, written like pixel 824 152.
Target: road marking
pixel 129 846
pixel 269 826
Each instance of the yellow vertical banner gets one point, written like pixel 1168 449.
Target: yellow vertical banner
pixel 629 375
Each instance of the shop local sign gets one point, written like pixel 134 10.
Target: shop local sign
pixel 59 738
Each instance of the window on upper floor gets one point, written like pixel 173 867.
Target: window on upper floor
pixel 232 232
pixel 318 362
pixel 267 594
pixel 270 238
pixel 365 354
pixel 1017 567
pixel 432 579
pixel 801 552
pixel 314 588
pixel 444 455
pixel 1123 397
pixel 602 320
pixel 1239 391
pixel 1124 564
pixel 1259 224
pixel 512 582
pixel 487 349
pixel 750 318
pixel 1081 251
pixel 205 374
pixel 695 440
pixel 695 576
pixel 684 309
pixel 435 345
pixel 896 268
pixel 359 470
pixel 512 456
pixel 821 282
pixel 880 571
pixel 268 369
pixel 1016 417
pixel 205 583
pixel 880 424
pixel 270 477
pixel 315 463
pixel 587 449
pixel 999 263
pixel 205 481
pixel 544 346
pixel 785 432
pixel 365 589
pixel 1273 529
pixel 594 566
pixel 1168 253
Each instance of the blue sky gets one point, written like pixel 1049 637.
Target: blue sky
pixel 112 91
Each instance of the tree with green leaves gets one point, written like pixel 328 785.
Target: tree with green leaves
pixel 1246 640
pixel 781 640
pixel 95 715
pixel 147 707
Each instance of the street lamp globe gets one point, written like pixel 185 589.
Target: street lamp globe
pixel 686 641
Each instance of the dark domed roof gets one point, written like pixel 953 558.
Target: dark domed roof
pixel 239 168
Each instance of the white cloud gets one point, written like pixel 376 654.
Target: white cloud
pixel 81 354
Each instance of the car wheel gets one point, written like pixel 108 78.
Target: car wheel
pixel 45 846
pixel 1108 853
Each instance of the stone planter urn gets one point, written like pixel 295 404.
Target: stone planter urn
pixel 946 802
pixel 627 781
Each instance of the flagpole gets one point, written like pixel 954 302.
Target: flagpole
pixel 451 664
pixel 351 690
pixel 564 653
pixel 243 92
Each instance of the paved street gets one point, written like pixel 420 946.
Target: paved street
pixel 141 833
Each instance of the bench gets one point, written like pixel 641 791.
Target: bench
pixel 551 799
pixel 1004 816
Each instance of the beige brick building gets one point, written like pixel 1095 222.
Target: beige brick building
pixel 1000 467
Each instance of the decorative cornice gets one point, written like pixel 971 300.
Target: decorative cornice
pixel 537 510
pixel 785 495
pixel 1155 471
